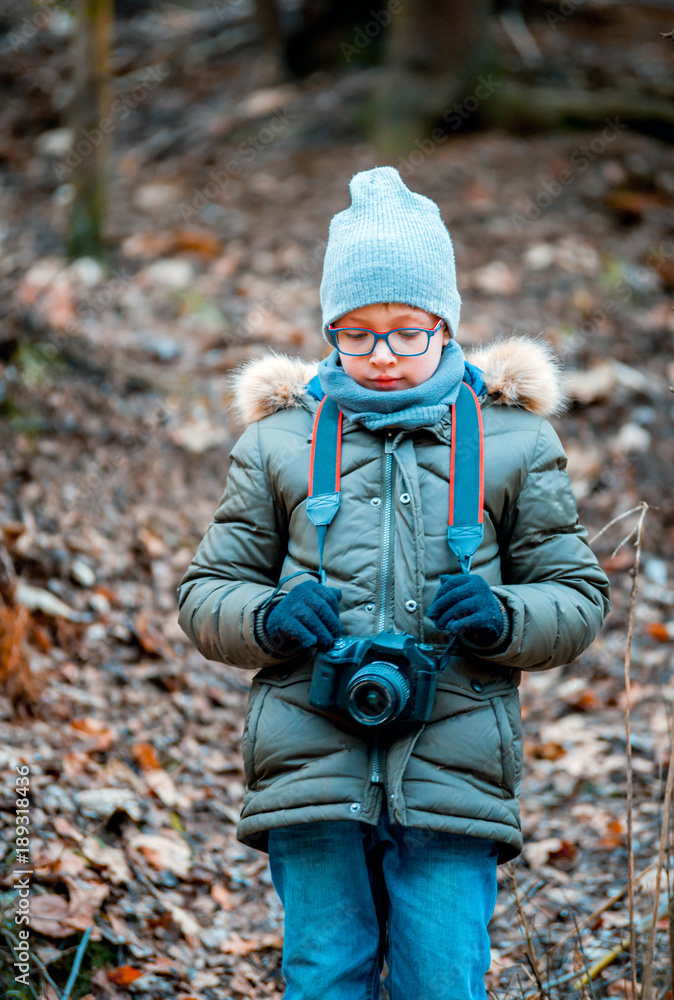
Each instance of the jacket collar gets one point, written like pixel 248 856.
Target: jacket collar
pixel 516 372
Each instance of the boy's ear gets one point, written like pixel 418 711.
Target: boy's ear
pixel 446 335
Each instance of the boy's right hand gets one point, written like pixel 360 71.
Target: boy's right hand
pixel 308 614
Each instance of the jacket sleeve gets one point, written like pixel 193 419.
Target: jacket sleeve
pixel 236 566
pixel 553 588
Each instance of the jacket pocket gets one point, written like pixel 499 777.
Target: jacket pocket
pixel 508 749
pixel 258 693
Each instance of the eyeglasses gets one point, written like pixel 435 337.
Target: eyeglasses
pixel 408 342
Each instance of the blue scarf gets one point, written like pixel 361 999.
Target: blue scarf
pixel 420 406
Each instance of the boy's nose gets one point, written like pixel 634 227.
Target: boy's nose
pixel 382 353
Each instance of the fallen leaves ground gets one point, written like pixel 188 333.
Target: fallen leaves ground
pixel 113 456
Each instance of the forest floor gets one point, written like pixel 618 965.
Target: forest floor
pixel 114 444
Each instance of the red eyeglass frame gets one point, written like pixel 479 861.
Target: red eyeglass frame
pixel 384 336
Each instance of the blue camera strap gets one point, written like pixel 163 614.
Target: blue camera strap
pixel 324 472
pixel 465 530
pixel 466 473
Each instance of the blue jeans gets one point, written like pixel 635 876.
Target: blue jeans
pixel 354 894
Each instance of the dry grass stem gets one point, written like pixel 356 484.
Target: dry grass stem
pixel 634 572
pixel 532 953
pixel 614 521
pixel 647 987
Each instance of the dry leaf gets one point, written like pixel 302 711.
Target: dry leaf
pixel 614 836
pixel 89 728
pixel 185 921
pixel 66 829
pixel 103 802
pixel 149 637
pixel 162 785
pixel 587 701
pixel 546 751
pixel 124 975
pixel 236 945
pixel 85 901
pixel 110 859
pixel 497 278
pixel 57 859
pixel 146 756
pixel 564 855
pixel 49 915
pixel 56 917
pixel 164 852
pixel 222 896
pixel 660 631
pixel 38 599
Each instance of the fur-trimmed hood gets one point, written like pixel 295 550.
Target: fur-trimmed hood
pixel 516 370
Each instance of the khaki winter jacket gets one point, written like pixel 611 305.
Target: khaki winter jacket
pixel 386 550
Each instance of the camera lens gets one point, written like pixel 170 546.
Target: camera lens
pixel 376 693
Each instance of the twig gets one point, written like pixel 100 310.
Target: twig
pixel 610 956
pixel 582 955
pixel 532 954
pixel 647 987
pixel 624 542
pixel 597 912
pixel 634 572
pixel 77 962
pixel 614 521
pixel 671 913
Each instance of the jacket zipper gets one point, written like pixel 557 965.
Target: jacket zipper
pixel 384 574
pixel 387 539
pixel 375 764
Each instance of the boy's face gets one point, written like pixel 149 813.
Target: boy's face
pixel 381 369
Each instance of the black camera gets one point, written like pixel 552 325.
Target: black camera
pixel 376 679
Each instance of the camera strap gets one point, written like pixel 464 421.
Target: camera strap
pixel 466 473
pixel 324 474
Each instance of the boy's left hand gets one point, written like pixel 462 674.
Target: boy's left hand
pixel 466 606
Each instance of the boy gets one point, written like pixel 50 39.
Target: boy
pixel 383 843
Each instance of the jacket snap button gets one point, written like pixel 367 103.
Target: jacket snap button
pixel 410 605
pixel 369 607
pixel 354 807
pixel 404 498
pixel 476 686
pixel 375 501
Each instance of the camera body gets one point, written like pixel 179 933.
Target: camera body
pixel 376 680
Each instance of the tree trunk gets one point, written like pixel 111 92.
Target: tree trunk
pixel 520 107
pixel 92 125
pixel 435 51
pixel 267 16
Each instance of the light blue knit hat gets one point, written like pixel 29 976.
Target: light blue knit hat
pixel 390 245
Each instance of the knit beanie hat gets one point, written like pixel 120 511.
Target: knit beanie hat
pixel 390 245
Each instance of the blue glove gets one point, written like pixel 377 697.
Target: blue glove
pixel 465 606
pixel 308 614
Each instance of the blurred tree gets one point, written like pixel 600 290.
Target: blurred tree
pixel 435 50
pixel 92 123
pixel 324 34
pixel 267 16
